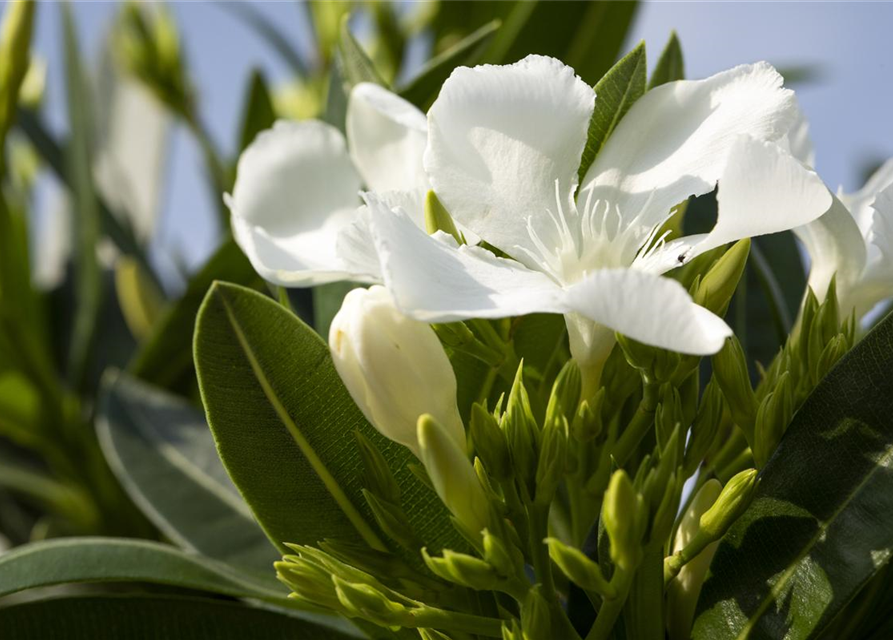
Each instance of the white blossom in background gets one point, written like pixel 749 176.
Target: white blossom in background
pixel 504 145
pixel 854 240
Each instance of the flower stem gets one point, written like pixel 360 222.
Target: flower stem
pixel 430 617
pixel 639 425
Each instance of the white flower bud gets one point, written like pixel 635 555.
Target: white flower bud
pixel 394 367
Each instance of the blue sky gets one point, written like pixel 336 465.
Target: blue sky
pixel 849 105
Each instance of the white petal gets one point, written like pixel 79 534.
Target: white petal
pixel 648 308
pixel 674 141
pixel 764 190
pixel 834 245
pixel 860 202
pixel 498 139
pixel 295 189
pixel 387 137
pixel 798 141
pixel 436 281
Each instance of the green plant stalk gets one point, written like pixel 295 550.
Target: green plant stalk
pixel 432 618
pixel 603 627
pixel 643 612
pixel 639 425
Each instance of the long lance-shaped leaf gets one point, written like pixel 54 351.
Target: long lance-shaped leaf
pixel 89 283
pixel 162 451
pixel 153 618
pixel 285 427
pixel 821 524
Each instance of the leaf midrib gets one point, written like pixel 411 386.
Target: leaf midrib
pixel 319 467
pixel 788 573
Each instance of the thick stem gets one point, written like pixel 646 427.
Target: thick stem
pixel 430 617
pixel 644 615
pixel 640 424
pixel 610 609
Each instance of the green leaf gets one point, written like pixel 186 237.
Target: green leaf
pixel 259 113
pixel 74 560
pixel 165 357
pixel 354 64
pixel 161 450
pixel 153 618
pixel 87 271
pixel 424 87
pixel 327 299
pixel 670 65
pixel 616 92
pixel 284 426
pixel 821 524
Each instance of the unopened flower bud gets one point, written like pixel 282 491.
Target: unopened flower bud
pixel 15 53
pixel 587 423
pixel 521 431
pixel 621 513
pixel 505 557
pixel 308 582
pixel 369 603
pixel 833 351
pixel 730 371
pixel 394 367
pixel 773 417
pixel 453 476
pixel 377 474
pixel 489 442
pixel 705 427
pixel 437 218
pixel 535 619
pixel 565 393
pixel 579 569
pixel 552 462
pixel 715 289
pixel 732 502
pixel 391 519
pixel 463 569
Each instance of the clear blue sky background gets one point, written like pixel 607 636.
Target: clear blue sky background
pixel 850 105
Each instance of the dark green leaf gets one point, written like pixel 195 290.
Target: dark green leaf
pixel 670 65
pixel 72 560
pixel 284 426
pixel 162 452
pixel 355 64
pixel 153 618
pixel 258 113
pixel 822 521
pixel 165 358
pixel 424 87
pixel 615 94
pixel 87 272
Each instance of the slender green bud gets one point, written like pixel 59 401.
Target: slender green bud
pixel 379 563
pixel 683 591
pixel 552 462
pixel 521 431
pixel 579 569
pixel 587 424
pixel 831 354
pixel 511 630
pixel 714 291
pixel 732 502
pixel 463 569
pixel 453 476
pixel 565 393
pixel 668 415
pixel 308 582
pixel 437 218
pixel 503 556
pixel 667 508
pixel 622 514
pixel 394 367
pixel 489 443
pixel 15 56
pixel 366 602
pixel 391 519
pixel 376 473
pixel 705 427
pixel 535 619
pixel 828 318
pixel 773 417
pixel 730 372
pixel 433 634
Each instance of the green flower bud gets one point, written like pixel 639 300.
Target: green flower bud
pixel 380 563
pixel 15 55
pixel 512 630
pixel 437 218
pixel 714 291
pixel 394 367
pixel 833 351
pixel 366 602
pixel 732 502
pixel 668 415
pixel 587 424
pixel 565 393
pixel 622 512
pixel 308 582
pixel 463 569
pixel 392 520
pixel 683 591
pixel 620 379
pixel 453 476
pixel 489 443
pixel 521 431
pixel 773 417
pixel 433 634
pixel 552 463
pixel 503 556
pixel 730 372
pixel 579 569
pixel 376 473
pixel 535 619
pixel 705 427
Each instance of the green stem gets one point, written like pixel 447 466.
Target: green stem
pixel 639 425
pixel 610 609
pixel 542 564
pixel 644 615
pixel 432 618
